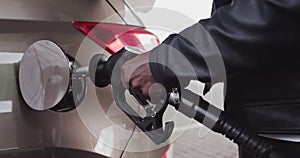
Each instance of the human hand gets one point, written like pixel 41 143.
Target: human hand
pixel 137 77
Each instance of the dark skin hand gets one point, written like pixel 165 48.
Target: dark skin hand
pixel 138 78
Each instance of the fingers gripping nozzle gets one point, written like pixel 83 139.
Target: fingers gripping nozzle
pixel 104 71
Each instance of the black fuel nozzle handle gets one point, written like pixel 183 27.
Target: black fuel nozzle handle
pixel 101 67
pixel 194 106
pixel 104 71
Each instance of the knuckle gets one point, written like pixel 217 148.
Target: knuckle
pixel 133 84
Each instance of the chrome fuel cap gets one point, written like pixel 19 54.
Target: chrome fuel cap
pixel 44 75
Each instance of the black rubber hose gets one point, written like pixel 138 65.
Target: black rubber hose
pixel 249 141
pixel 194 106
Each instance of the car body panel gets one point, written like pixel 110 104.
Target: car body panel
pixel 57 10
pixel 97 125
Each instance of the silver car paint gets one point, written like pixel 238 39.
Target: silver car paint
pixel 21 24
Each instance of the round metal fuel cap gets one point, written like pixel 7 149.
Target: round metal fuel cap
pixel 44 75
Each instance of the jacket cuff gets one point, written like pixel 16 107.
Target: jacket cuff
pixel 174 54
pixel 161 72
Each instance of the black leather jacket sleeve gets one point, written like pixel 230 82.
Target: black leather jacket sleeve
pixel 248 35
